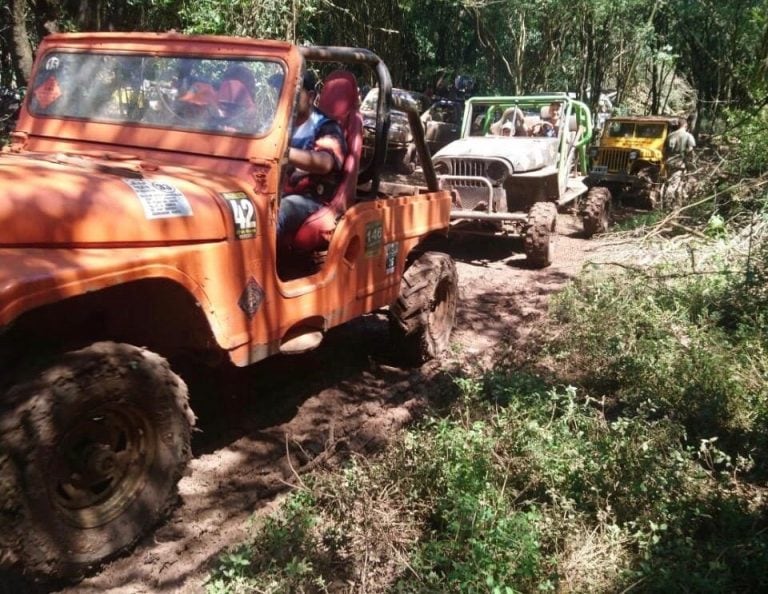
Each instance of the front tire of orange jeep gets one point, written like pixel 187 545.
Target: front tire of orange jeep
pixel 595 216
pixel 540 233
pixel 422 317
pixel 92 446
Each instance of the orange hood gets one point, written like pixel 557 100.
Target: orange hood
pixel 73 201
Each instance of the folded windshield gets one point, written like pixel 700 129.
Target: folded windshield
pixel 209 95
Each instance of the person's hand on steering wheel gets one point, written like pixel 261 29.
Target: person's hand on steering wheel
pixel 543 129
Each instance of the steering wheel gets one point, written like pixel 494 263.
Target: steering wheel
pixel 542 129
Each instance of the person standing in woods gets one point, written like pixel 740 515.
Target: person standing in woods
pixel 680 144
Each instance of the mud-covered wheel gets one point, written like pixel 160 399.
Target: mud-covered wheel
pixel 92 446
pixel 540 234
pixel 595 216
pixel 422 317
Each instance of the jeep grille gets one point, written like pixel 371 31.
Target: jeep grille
pixel 473 167
pixel 616 160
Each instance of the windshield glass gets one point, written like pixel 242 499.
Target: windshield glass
pixel 369 103
pixel 650 130
pixel 523 118
pixel 203 94
pixel 633 129
pixel 621 129
pixel 371 99
pixel 443 112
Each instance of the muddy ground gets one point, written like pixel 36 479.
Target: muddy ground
pixel 262 427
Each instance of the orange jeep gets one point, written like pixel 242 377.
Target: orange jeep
pixel 137 224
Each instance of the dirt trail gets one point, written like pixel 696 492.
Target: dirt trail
pixel 285 416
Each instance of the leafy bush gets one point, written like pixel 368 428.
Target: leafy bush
pixel 522 488
pixel 749 132
pixel 284 556
pixel 680 344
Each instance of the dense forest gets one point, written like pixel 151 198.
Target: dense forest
pixel 656 55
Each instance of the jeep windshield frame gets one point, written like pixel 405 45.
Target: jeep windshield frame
pixel 172 92
pixel 635 129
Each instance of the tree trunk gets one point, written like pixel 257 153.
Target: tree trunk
pixel 21 49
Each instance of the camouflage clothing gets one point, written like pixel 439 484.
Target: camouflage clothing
pixel 680 144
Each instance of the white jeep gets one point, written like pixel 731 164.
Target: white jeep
pixel 517 161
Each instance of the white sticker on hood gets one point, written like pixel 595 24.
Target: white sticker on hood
pixel 160 200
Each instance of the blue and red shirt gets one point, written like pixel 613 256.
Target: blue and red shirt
pixel 317 133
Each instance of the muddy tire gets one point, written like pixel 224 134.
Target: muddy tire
pixel 540 233
pixel 422 317
pixel 92 446
pixel 595 216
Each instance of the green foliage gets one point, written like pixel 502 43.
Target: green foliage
pixel 522 488
pixel 690 348
pixel 639 220
pixel 477 539
pixel 641 48
pixel 748 133
pixel 271 19
pixel 282 558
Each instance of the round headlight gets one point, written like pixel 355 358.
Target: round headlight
pixel 633 155
pixel 442 168
pixel 593 151
pixel 496 171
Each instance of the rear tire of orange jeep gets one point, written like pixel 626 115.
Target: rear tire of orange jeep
pixel 91 448
pixel 422 317
pixel 540 233
pixel 595 216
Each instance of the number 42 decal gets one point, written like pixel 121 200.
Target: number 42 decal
pixel 243 213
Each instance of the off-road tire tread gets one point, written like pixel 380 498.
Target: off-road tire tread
pixel 409 313
pixel 36 540
pixel 595 214
pixel 539 234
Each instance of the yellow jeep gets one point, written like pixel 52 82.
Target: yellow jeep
pixel 631 157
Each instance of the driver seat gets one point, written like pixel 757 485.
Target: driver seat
pixel 339 100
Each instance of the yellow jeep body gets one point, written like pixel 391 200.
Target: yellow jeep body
pixel 629 145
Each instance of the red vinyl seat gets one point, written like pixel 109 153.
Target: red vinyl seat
pixel 339 100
